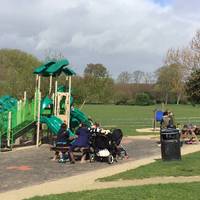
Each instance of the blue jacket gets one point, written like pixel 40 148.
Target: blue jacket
pixel 83 137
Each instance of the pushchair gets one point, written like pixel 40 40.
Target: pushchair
pixel 118 149
pixel 106 146
pixel 100 147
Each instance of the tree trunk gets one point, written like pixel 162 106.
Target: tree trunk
pixel 83 104
pixel 166 98
pixel 178 98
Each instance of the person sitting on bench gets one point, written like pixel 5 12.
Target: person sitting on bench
pixel 168 120
pixel 64 138
pixel 82 141
pixel 189 132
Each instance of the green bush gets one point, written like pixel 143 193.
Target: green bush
pixel 143 99
pixel 130 102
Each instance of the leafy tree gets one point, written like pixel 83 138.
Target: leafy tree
pixel 170 81
pixel 193 86
pixel 163 84
pixel 98 90
pixel 121 98
pixel 96 70
pixel 17 72
pixel 142 99
pixel 95 86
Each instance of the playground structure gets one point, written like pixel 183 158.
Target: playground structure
pixel 18 117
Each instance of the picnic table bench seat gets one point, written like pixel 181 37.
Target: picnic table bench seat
pixel 65 149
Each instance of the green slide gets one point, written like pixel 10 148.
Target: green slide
pixel 52 122
pixel 78 117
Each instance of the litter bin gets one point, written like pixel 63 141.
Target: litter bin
pixel 170 144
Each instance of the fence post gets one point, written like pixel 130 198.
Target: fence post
pixel 9 129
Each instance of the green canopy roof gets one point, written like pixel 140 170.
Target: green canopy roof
pixel 42 68
pixel 57 67
pixel 54 68
pixel 68 71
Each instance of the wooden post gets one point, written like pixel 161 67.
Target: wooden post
pixel 24 106
pixel 39 83
pixel 38 114
pixel 36 96
pixel 20 111
pixel 24 98
pixel 70 85
pixel 55 97
pixel 69 97
pixel 50 84
pixel 35 105
pixel 154 119
pixel 36 81
pixel 9 129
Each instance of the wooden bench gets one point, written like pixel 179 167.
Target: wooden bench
pixel 65 149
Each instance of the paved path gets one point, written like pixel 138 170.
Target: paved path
pixel 33 166
pixel 86 180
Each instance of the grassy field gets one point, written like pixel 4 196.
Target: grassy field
pixel 188 166
pixel 184 191
pixel 129 118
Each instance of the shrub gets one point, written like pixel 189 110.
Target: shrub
pixel 143 99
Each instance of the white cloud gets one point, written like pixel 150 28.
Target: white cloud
pixel 122 34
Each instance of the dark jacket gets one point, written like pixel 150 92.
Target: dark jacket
pixel 63 136
pixel 83 137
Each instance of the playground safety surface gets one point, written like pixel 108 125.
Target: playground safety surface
pixel 33 166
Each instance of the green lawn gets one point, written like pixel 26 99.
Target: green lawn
pixel 129 118
pixel 185 191
pixel 188 166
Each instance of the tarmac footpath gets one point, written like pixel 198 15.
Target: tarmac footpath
pixel 87 180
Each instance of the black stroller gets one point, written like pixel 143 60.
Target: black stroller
pixel 106 146
pixel 116 139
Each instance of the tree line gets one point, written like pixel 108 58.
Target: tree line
pixel 177 81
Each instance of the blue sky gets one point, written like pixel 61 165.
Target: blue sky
pixel 163 2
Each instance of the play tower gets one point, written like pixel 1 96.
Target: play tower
pixel 61 98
